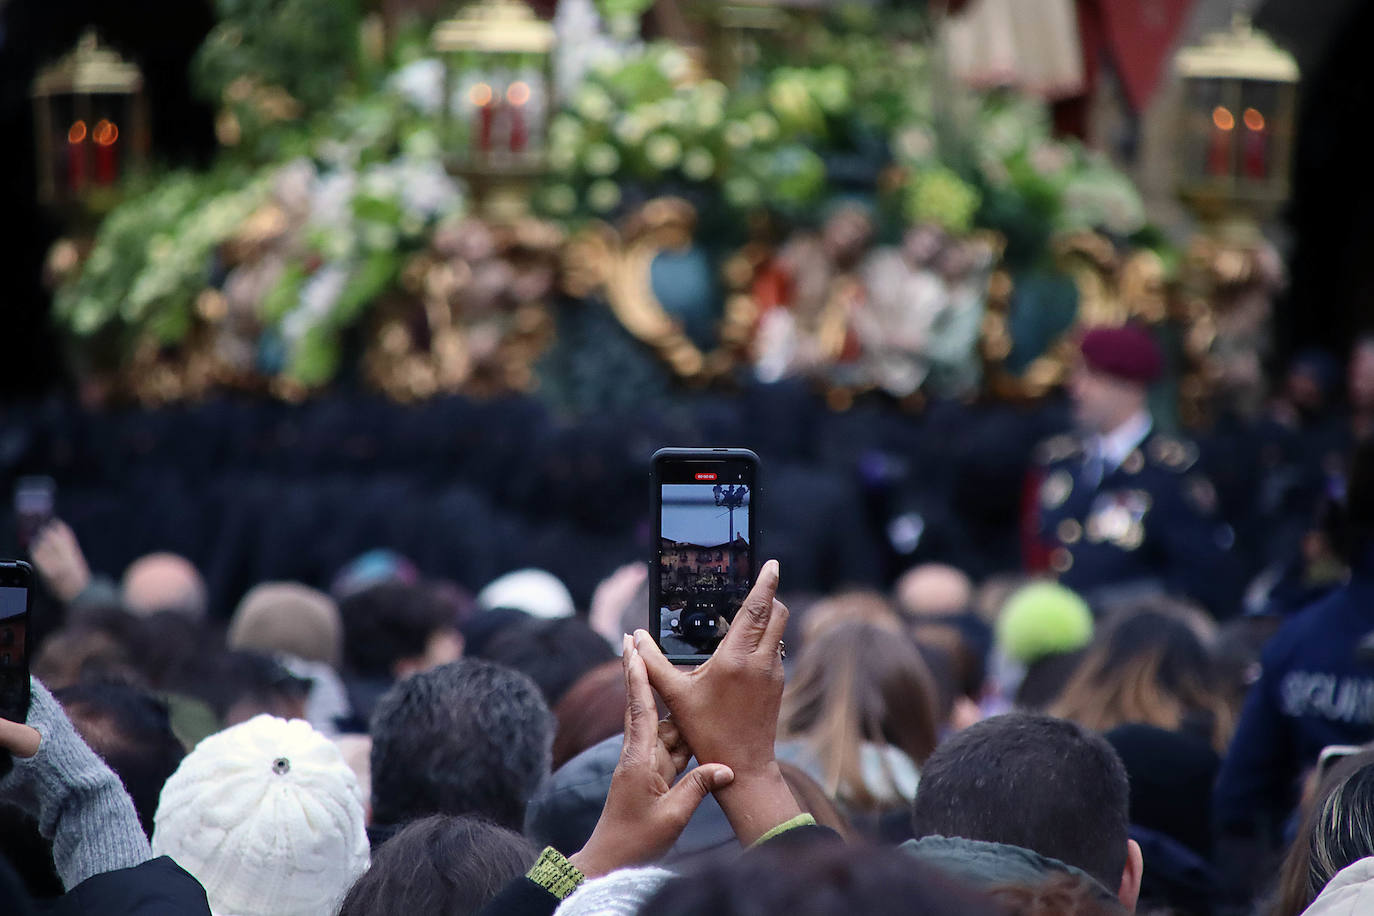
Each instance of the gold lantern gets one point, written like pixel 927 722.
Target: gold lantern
pixel 1240 101
pixel 498 92
pixel 90 122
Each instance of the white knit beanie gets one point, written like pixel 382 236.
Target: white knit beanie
pixel 268 817
pixel 536 592
pixel 620 893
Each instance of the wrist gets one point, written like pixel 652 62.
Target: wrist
pixel 757 802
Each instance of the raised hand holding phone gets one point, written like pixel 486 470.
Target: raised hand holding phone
pixel 645 811
pixel 727 708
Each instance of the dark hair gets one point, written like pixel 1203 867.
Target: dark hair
pixel 592 710
pixel 1060 894
pixel 554 653
pixel 389 622
pixel 442 865
pixel 132 732
pixel 1355 519
pixel 1032 781
pixel 1336 831
pixel 1148 666
pixel 239 685
pixel 820 879
pixel 469 737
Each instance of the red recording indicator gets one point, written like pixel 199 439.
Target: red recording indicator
pixel 706 475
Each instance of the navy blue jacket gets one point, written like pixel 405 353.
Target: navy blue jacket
pixel 1313 692
pixel 1150 524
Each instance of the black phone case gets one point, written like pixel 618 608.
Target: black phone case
pixel 755 527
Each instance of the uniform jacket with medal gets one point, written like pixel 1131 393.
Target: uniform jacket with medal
pixel 1150 522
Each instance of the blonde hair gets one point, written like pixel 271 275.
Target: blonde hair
pixel 858 683
pixel 1147 666
pixel 1337 830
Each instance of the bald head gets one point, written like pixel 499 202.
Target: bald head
pixel 164 582
pixel 933 590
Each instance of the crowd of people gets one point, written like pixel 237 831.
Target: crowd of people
pixel 1095 734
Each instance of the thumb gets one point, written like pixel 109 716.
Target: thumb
pixel 682 799
pixel 662 675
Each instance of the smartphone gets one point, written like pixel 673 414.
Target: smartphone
pixel 705 537
pixel 16 589
pixel 33 507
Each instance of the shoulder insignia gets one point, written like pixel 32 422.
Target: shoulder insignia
pixel 1174 454
pixel 1056 489
pixel 1057 448
pixel 1201 494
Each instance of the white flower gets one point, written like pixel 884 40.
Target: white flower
pixel 603 195
pixel 663 151
pixel 601 159
pixel 630 129
pixel 423 144
pixel 674 64
pixel 764 126
pixel 565 131
pixel 319 295
pixel 562 158
pixel 742 192
pixel 421 83
pixel 698 164
pixel 709 114
pixel 592 103
pixel 738 135
pixel 1049 158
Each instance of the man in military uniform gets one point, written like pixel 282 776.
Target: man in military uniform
pixel 1122 510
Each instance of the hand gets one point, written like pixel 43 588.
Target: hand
pixel 645 813
pixel 727 708
pixel 611 598
pixel 19 740
pixel 59 560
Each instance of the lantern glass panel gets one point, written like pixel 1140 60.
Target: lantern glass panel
pixel 1212 135
pixel 1256 130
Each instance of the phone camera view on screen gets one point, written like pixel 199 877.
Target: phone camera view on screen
pixel 14 669
pixel 706 560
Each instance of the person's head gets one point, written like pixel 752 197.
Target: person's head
pixel 288 618
pixel 242 685
pixel 1337 830
pixel 442 865
pixel 268 817
pixel 554 653
pixel 164 582
pixel 1312 378
pixel 1060 894
pixel 395 629
pixel 1040 783
pixel 855 606
pixel 469 737
pixel 1111 381
pixel 132 732
pixel 859 684
pixel 589 712
pixel 536 592
pixel 934 589
pixel 820 880
pixel 1147 666
pixel 1361 374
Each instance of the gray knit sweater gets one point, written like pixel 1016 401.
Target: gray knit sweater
pixel 81 806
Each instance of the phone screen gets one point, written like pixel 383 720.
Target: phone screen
pixel 14 644
pixel 706 563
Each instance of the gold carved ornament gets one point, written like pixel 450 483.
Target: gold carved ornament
pixel 1113 288
pixel 616 264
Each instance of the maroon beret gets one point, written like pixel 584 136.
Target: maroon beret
pixel 1128 353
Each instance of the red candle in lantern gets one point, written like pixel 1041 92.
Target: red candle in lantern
pixel 1256 145
pixel 106 158
pixel 76 156
pixel 1219 152
pixel 518 95
pixel 481 97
